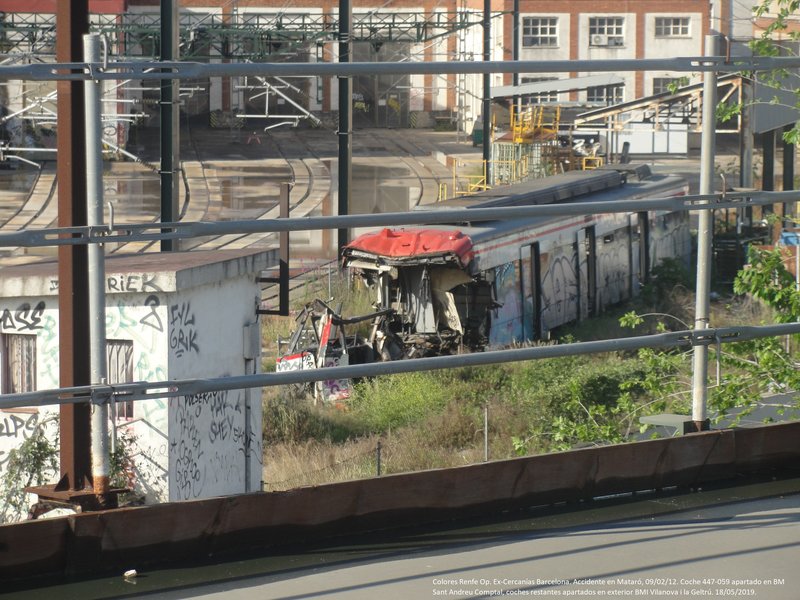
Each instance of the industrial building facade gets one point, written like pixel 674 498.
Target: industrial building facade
pixel 402 30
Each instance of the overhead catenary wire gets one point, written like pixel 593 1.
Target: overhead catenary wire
pixel 195 70
pixel 161 231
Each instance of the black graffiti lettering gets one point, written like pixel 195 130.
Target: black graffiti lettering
pixel 24 318
pixel 14 426
pixel 152 319
pixel 221 429
pixel 148 283
pixel 183 335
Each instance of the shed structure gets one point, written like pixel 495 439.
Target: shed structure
pixel 169 316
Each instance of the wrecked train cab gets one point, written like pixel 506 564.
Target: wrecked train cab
pixel 424 275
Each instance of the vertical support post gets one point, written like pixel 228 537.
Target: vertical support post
pixel 487 90
pixel 789 154
pixel 486 432
pixel 746 146
pixel 345 117
pixel 170 123
pixel 72 18
pixel 378 458
pixel 768 168
pixel 97 290
pixel 704 238
pixel 283 264
pixel 515 54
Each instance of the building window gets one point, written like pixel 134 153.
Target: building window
pixel 606 31
pixel 604 95
pixel 662 85
pixel 119 354
pixel 672 26
pixel 539 32
pixel 540 97
pixel 19 363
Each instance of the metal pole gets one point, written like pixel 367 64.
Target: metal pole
pixel 170 122
pixel 73 305
pixel 704 238
pixel 378 458
pixel 789 208
pixel 345 118
pixel 515 56
pixel 283 265
pixel 486 432
pixel 97 300
pixel 487 90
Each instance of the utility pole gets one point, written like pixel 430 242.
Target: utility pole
pixel 487 91
pixel 97 271
pixel 345 119
pixel 72 20
pixel 704 244
pixel 170 121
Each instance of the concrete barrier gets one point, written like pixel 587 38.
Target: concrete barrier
pixel 153 535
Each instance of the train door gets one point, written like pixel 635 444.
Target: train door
pixel 587 269
pixel 531 284
pixel 643 222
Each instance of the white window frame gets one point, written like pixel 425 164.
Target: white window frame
pixel 672 27
pixel 541 97
pixel 6 379
pixel 664 83
pixel 597 95
pixel 606 31
pixel 540 32
pixel 119 368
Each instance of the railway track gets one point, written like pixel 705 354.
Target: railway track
pixel 235 176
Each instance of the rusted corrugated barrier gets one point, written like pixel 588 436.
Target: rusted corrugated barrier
pixel 95 542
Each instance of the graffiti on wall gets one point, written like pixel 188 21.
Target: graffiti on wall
pixel 507 324
pixel 559 287
pixel 24 318
pixel 14 429
pixel 183 329
pixel 209 440
pixel 131 283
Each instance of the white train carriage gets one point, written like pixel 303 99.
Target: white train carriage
pixel 500 282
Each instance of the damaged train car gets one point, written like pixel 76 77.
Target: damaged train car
pixel 450 288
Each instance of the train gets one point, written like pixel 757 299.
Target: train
pixel 470 286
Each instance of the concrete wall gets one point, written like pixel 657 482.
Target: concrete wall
pixel 156 535
pixel 192 447
pixel 214 438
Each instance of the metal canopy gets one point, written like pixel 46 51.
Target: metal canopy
pixel 558 85
pixel 681 96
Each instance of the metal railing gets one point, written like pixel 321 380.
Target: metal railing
pixel 100 394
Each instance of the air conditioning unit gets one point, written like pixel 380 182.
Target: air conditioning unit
pixel 599 40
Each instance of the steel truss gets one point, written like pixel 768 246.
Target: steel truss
pixel 242 36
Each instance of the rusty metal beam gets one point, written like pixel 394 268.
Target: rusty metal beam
pixel 157 535
pixel 72 21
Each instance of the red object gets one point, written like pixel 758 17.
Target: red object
pixel 399 243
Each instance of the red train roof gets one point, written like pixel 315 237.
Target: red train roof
pixel 412 243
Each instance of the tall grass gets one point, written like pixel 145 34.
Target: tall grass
pixel 436 419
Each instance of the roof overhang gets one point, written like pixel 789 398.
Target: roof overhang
pixel 558 85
